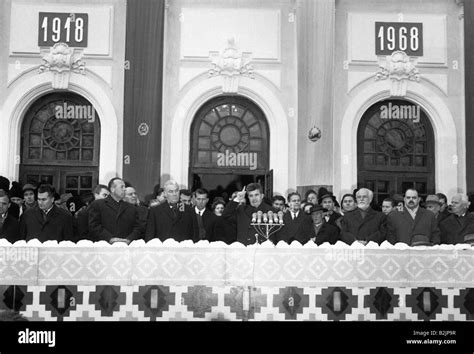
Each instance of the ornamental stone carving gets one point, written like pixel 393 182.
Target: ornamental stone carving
pixel 399 69
pixel 62 61
pixel 231 65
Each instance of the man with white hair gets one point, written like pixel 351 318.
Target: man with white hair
pixel 172 219
pixel 363 224
pixel 414 226
pixel 458 227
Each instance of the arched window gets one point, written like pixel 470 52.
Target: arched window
pixel 60 143
pixel 395 146
pixel 230 145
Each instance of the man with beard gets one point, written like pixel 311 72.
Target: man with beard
pixel 240 214
pixel 172 219
pixel 413 225
pixel 363 224
pixel 297 224
pixel 458 227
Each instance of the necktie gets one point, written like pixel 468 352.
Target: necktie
pixel 45 216
pixel 293 215
pixel 174 209
pixel 202 232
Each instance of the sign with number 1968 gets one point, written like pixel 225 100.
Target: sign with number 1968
pixel 69 28
pixel 394 36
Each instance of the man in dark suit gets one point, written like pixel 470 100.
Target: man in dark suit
pixel 9 226
pixel 458 227
pixel 113 220
pixel 323 231
pixel 240 214
pixel 443 211
pixel 171 219
pixel 297 224
pixel 46 221
pixel 14 209
pixel 82 215
pixel 363 224
pixel 205 219
pixel 414 225
pixel 131 197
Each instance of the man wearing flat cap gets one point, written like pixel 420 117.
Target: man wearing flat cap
pixel 363 224
pixel 322 230
pixel 433 204
pixel 458 227
pixel 414 226
pixel 328 201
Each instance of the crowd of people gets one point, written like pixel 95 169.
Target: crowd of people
pixel 114 213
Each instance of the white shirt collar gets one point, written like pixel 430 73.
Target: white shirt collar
pixel 47 211
pixel 413 211
pixel 200 212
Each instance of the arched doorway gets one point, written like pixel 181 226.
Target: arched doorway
pixel 395 150
pixel 60 143
pixel 229 147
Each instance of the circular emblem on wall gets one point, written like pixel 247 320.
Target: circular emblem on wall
pixel 143 129
pixel 314 134
pixel 61 135
pixel 230 133
pixel 395 138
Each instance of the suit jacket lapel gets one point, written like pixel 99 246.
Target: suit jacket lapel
pixel 407 217
pixel 360 219
pixel 418 216
pixel 39 215
pixel 122 208
pixel 108 203
pixel 169 212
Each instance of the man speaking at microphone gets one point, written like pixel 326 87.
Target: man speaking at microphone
pixel 239 214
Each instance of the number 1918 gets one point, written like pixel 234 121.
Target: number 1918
pixel 63 27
